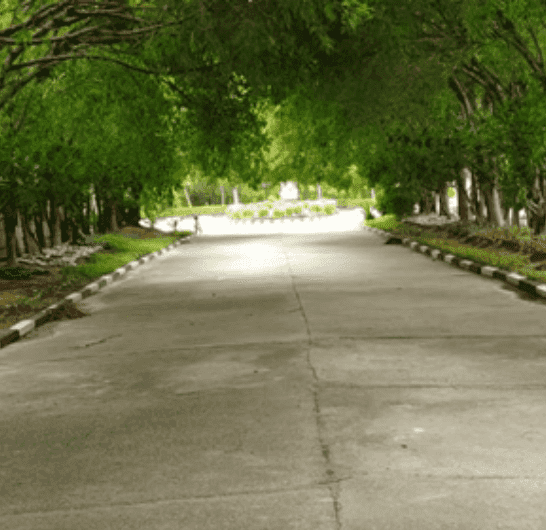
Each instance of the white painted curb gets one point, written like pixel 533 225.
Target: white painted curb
pixel 514 278
pixel 488 271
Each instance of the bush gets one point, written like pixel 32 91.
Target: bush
pixel 289 211
pixel 298 209
pixel 329 209
pixel 237 215
pixel 278 213
pixel 316 208
pixel 248 213
pixel 385 222
pixel 398 201
pixel 263 212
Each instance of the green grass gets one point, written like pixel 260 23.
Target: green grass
pixel 184 211
pixel 386 222
pixel 489 257
pixel 127 250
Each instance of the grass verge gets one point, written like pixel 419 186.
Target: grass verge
pixel 492 254
pixel 22 299
pixel 184 211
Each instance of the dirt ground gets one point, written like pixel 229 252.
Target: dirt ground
pixel 53 285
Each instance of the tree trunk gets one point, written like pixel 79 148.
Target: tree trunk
pixel 31 242
pixel 10 224
pixel 436 203
pixel 54 222
pixel 93 210
pixel 65 224
pixel 444 201
pixel 39 227
pixel 478 200
pixel 516 218
pixel 536 205
pixel 462 197
pixel 57 218
pixel 495 214
pixel 113 219
pixel 186 193
pixel 85 217
pixel 104 214
pixel 425 203
pixel 50 220
pixel 72 225
pixel 20 237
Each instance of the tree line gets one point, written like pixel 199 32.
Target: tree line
pixel 117 100
pixel 475 112
pixel 124 99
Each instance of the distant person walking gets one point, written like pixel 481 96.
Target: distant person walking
pixel 198 230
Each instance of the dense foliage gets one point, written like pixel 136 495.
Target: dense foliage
pixel 135 102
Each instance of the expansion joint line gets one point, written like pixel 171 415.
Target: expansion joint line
pixel 331 481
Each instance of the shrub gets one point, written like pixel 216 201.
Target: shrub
pixel 398 201
pixel 248 213
pixel 298 209
pixel 237 215
pixel 278 213
pixel 329 209
pixel 316 208
pixel 264 212
pixel 289 211
pixel 385 222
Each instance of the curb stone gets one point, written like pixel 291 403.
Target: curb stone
pixel 522 283
pixel 22 328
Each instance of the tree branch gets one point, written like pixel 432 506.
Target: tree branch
pixel 537 46
pixel 510 35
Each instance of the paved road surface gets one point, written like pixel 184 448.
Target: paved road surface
pixel 317 382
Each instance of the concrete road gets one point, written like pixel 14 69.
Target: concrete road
pixel 318 382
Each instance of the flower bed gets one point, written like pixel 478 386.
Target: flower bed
pixel 281 209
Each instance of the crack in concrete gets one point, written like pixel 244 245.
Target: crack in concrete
pixel 332 482
pixel 97 342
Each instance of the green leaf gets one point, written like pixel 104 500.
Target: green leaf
pixel 329 10
pixel 23 36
